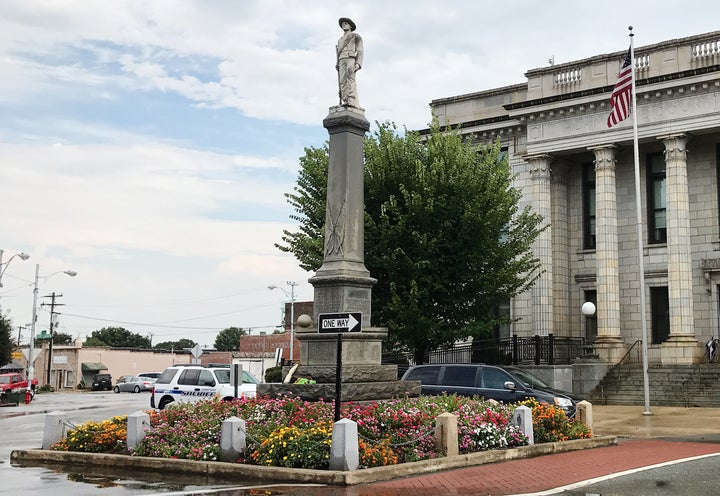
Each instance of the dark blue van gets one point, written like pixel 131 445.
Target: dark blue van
pixel 505 384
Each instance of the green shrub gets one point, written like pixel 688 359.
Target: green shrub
pixel 273 374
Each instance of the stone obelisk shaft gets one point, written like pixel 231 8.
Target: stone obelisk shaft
pixel 343 284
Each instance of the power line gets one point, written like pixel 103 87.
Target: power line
pixel 208 329
pixel 177 302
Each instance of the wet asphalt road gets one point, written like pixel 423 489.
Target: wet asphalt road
pixel 21 427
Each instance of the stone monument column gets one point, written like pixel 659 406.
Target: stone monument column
pixel 609 343
pixel 343 284
pixel 350 361
pixel 542 292
pixel 682 346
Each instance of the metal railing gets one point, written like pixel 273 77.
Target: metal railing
pixel 627 357
pixel 546 350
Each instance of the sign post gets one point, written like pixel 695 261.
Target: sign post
pixel 236 372
pixel 196 352
pixel 339 323
pixel 338 375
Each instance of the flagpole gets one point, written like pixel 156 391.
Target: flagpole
pixel 638 212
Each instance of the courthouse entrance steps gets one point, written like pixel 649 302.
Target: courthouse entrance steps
pixel 695 385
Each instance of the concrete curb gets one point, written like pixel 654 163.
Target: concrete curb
pixel 235 471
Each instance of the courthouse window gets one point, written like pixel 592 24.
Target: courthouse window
pixel 656 198
pixel 717 168
pixel 501 330
pixel 504 154
pixel 588 206
pixel 660 314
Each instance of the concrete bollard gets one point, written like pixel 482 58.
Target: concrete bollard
pixel 446 434
pixel 138 423
pixel 522 417
pixel 232 439
pixel 584 413
pixel 54 428
pixel 344 451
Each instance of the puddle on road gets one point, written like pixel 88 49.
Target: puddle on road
pixel 150 483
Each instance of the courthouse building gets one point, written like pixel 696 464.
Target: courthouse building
pixel 580 176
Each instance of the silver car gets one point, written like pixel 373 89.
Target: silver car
pixel 133 384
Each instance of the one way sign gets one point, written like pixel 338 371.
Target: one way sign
pixel 340 322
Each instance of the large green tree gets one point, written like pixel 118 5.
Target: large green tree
pixel 6 342
pixel 444 233
pixel 117 337
pixel 175 345
pixel 229 339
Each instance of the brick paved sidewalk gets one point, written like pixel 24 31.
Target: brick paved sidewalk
pixel 528 475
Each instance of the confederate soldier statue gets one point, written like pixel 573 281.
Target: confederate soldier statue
pixel 349 61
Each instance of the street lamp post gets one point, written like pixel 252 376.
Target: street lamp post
pixel 21 256
pixel 292 285
pixel 31 367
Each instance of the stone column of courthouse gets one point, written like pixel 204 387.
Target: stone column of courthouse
pixel 681 345
pixel 542 297
pixel 609 340
pixel 560 242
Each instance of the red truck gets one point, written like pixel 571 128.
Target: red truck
pixel 15 382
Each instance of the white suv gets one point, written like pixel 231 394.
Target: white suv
pixel 189 383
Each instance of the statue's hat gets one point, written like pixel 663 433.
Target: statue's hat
pixel 349 21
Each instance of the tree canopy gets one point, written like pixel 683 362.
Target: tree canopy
pixel 6 342
pixel 62 338
pixel 229 339
pixel 175 345
pixel 117 337
pixel 444 234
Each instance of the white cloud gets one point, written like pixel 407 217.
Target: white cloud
pixel 274 59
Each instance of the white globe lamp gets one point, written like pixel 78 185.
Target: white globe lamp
pixel 588 308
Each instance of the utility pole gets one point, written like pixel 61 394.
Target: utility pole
pixel 53 324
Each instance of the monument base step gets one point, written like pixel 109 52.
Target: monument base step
pixel 350 373
pixel 357 391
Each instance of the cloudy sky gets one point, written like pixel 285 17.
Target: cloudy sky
pixel 148 145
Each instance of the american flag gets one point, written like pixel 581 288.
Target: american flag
pixel 621 98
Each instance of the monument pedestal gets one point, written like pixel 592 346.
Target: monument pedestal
pixel 338 292
pixel 363 378
pixel 349 391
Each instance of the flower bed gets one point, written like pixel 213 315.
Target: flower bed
pixel 288 432
pixel 550 424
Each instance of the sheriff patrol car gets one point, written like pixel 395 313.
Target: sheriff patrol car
pixel 190 383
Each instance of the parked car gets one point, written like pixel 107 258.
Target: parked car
pixel 190 383
pixel 102 382
pixel 133 384
pixel 505 384
pixel 150 375
pixel 15 382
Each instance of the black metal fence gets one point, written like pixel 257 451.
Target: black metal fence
pixel 545 350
